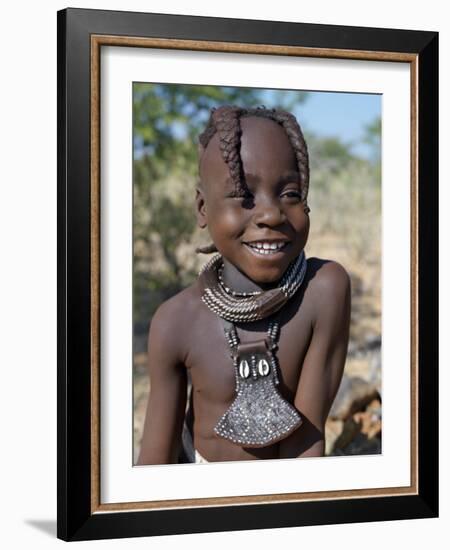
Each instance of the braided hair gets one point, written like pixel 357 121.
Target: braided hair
pixel 225 120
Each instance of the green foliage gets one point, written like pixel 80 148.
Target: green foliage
pixel 372 138
pixel 328 156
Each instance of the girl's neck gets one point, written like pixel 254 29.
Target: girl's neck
pixel 239 282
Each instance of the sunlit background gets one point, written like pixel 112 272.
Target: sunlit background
pixel 343 134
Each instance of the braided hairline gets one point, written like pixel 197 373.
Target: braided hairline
pixel 225 121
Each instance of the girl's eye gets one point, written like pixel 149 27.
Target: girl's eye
pixel 291 194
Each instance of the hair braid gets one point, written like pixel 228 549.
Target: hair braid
pixel 295 135
pixel 225 120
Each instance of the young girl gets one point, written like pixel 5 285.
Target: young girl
pixel 263 331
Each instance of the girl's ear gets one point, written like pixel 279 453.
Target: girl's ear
pixel 201 208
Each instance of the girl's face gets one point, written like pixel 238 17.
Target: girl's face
pixel 262 232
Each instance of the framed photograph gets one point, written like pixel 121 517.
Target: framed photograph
pixel 145 101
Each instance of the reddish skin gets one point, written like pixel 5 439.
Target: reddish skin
pixel 185 334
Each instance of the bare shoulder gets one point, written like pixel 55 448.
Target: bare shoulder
pixel 172 312
pixel 328 275
pixel 171 326
pixel 329 285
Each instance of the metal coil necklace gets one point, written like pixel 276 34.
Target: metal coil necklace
pixel 258 416
pixel 247 307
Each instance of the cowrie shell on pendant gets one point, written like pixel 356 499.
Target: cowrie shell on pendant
pixel 263 367
pixel 244 369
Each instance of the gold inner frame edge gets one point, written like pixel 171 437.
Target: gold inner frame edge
pixel 264 49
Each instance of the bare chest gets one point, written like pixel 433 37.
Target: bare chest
pixel 211 367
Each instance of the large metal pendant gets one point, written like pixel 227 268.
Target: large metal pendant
pixel 259 415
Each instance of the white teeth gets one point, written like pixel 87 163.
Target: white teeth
pixel 267 248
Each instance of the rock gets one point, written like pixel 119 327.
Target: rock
pixel 350 430
pixel 361 433
pixel 360 445
pixel 370 419
pixel 354 395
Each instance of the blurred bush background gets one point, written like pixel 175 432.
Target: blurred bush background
pixel 343 134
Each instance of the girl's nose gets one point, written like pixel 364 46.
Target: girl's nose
pixel 268 212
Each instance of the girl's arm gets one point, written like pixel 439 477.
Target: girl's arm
pixel 161 439
pixel 324 362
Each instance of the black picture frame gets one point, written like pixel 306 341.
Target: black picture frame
pixel 79 515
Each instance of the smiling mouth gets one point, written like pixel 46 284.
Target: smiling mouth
pixel 265 248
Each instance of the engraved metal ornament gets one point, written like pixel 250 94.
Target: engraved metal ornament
pixel 259 415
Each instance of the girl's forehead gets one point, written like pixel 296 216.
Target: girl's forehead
pixel 262 139
pixel 263 143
